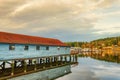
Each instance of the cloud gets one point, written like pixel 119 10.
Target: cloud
pixel 53 18
pixel 105 3
pixel 109 29
pixel 7 6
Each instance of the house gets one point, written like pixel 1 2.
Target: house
pixel 75 50
pixel 15 46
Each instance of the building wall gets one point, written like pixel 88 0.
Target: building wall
pixel 19 51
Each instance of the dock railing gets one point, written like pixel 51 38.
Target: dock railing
pixel 17 67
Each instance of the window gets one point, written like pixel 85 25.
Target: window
pixel 65 48
pixel 11 47
pixel 37 47
pixel 58 48
pixel 47 47
pixel 26 47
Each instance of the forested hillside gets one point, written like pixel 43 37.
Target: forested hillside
pixel 99 43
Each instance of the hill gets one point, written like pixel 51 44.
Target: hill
pixel 99 43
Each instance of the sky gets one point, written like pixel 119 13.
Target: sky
pixel 67 20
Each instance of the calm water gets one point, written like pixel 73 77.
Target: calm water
pixel 91 69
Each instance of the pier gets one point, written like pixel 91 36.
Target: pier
pixel 17 67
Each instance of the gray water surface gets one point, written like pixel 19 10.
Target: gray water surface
pixel 91 69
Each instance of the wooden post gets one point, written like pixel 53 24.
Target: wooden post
pixel 3 67
pixel 30 62
pixel 15 64
pixel 35 65
pixel 22 63
pixel 56 60
pixel 65 59
pixel 12 66
pixel 61 59
pixel 25 66
pixel 76 58
pixel 51 61
pixel 40 61
pixel 43 63
pixel 46 60
pixel 73 58
pixel 70 58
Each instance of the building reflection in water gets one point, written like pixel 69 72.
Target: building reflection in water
pixel 46 74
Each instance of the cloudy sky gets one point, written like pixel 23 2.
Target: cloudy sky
pixel 67 20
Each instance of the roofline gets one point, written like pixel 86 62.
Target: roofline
pixel 35 43
pixel 27 35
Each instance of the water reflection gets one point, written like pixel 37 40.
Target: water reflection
pixel 102 56
pixel 47 74
pixel 108 58
pixel 91 69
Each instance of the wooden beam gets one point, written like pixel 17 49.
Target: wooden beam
pixel 70 58
pixel 25 66
pixel 12 66
pixel 43 63
pixel 35 68
pixel 65 59
pixel 73 58
pixel 76 58
pixel 8 62
pixel 51 59
pixel 56 61
pixel 3 67
pixel 29 62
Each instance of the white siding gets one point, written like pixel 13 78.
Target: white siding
pixel 19 51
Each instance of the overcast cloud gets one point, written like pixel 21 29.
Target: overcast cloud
pixel 67 20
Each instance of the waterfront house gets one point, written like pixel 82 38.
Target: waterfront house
pixel 75 50
pixel 14 46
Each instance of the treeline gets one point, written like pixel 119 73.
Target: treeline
pixel 76 44
pixel 99 43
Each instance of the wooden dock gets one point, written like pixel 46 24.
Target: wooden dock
pixel 18 67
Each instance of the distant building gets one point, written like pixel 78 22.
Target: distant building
pixel 14 46
pixel 75 50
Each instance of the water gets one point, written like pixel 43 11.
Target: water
pixel 91 69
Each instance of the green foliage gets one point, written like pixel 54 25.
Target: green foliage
pixel 108 41
pixel 75 44
pixel 99 43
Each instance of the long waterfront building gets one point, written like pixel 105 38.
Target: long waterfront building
pixel 15 46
